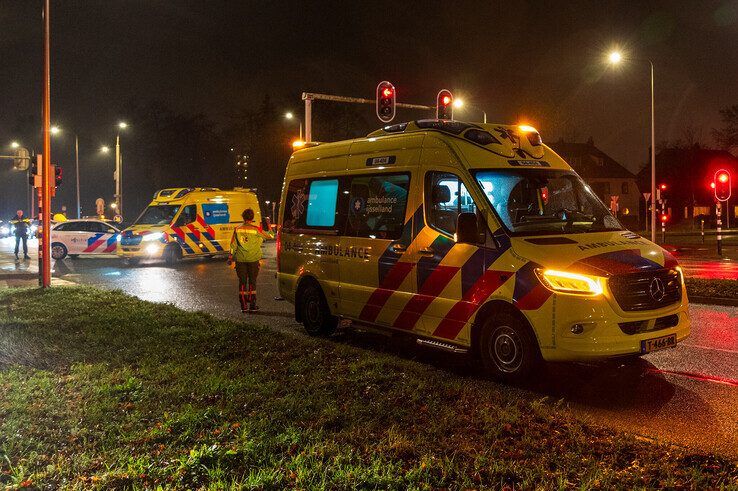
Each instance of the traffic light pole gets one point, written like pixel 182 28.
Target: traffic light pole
pixel 44 251
pixel 309 97
pixel 719 229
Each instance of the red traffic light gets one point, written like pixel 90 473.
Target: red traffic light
pixel 444 104
pixel 712 185
pixel 386 101
pixel 722 185
pixel 662 187
pixel 664 218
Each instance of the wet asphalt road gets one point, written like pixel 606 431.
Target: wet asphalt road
pixel 687 395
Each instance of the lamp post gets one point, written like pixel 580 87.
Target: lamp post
pixel 459 103
pixel 614 58
pixel 119 170
pixel 291 116
pixel 55 130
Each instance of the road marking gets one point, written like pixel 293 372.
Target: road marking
pixel 707 347
pixel 696 376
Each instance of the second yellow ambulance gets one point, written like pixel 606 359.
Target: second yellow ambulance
pixel 186 222
pixel 471 237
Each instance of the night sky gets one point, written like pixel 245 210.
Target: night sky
pixel 536 62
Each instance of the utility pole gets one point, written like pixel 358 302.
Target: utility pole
pixel 44 251
pixel 76 162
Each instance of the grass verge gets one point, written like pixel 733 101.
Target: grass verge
pixel 98 389
pixel 699 287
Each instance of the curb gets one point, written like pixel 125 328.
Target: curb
pixel 729 302
pixel 18 276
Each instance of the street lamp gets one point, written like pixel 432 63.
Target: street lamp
pixel 55 130
pixel 105 149
pixel 614 58
pixel 290 116
pixel 14 145
pixel 459 103
pixel 119 169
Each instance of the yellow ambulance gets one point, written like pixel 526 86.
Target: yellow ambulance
pixel 186 222
pixel 471 238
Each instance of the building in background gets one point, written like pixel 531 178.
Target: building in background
pixel 687 173
pixel 615 185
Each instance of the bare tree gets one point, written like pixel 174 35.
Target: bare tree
pixel 727 136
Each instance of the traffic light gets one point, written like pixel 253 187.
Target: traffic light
pixel 661 192
pixel 57 175
pixel 664 218
pixel 722 185
pixel 445 105
pixel 386 101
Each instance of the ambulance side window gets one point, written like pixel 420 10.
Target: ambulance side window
pixel 312 204
pixel 377 206
pixel 188 215
pixel 445 197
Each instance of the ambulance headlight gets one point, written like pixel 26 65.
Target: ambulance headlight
pixel 152 249
pixel 572 283
pixel 679 270
pixel 152 237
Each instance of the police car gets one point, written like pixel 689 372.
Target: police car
pixel 87 236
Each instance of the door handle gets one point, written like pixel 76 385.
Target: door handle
pixel 398 247
pixel 428 251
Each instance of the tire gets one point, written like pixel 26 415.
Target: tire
pixel 131 261
pixel 58 251
pixel 172 254
pixel 508 348
pixel 314 311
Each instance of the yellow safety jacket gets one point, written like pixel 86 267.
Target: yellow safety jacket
pixel 246 242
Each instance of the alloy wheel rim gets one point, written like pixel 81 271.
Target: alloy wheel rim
pixel 506 349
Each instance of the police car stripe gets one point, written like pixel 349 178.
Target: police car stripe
pixel 111 243
pixel 94 242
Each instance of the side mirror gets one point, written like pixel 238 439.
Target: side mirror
pixel 467 231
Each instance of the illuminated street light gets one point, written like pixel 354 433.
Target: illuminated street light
pixel 105 149
pixel 615 58
pixel 122 125
pixel 55 130
pixel 14 145
pixel 290 116
pixel 459 103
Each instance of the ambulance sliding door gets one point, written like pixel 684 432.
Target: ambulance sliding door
pixel 375 266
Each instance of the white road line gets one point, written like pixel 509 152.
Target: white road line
pixel 708 347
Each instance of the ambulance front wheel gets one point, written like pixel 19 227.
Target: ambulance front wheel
pixel 508 348
pixel 172 253
pixel 314 311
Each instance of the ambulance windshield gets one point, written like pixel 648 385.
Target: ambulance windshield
pixel 542 201
pixel 157 215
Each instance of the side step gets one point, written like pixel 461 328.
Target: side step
pixel 432 343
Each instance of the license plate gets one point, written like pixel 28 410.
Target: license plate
pixel 655 344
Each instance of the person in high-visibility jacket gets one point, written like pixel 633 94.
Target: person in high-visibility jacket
pixel 246 252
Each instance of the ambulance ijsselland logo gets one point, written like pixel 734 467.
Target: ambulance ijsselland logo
pixel 298 204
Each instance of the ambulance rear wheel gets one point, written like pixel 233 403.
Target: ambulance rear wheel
pixel 58 251
pixel 172 254
pixel 314 311
pixel 508 348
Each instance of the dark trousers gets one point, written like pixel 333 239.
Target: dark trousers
pixel 18 239
pixel 247 273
